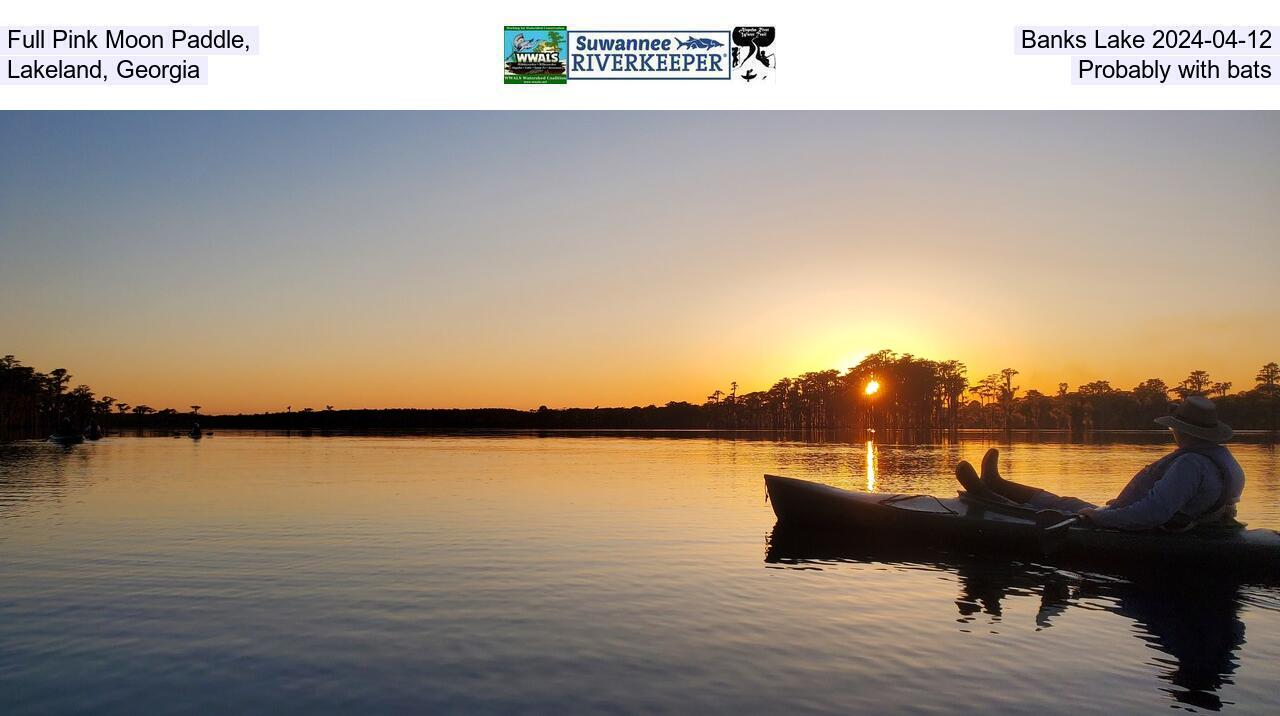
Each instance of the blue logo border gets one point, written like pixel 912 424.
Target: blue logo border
pixel 568 72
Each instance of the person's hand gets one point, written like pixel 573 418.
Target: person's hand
pixel 1087 513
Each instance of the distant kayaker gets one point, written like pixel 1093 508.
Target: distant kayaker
pixel 1198 483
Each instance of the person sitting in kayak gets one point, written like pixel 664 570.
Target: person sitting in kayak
pixel 65 429
pixel 1198 483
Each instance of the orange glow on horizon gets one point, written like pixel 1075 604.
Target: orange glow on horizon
pixel 384 278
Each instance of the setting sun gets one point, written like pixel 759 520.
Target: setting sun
pixel 872 387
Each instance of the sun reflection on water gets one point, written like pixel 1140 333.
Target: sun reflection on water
pixel 871 466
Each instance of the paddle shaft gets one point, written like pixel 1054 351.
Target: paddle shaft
pixel 1063 525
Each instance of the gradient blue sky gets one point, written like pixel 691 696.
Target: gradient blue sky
pixel 246 261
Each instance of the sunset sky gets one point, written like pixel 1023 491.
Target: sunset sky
pixel 248 261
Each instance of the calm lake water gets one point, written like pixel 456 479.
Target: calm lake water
pixel 268 574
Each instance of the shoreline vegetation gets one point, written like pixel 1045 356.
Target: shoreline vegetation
pixel 885 391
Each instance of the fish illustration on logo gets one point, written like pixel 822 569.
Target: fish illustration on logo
pixel 698 43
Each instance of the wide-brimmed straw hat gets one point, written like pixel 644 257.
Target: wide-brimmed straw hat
pixel 1197 416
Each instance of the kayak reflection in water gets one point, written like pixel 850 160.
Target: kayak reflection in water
pixel 1197 484
pixel 1197 622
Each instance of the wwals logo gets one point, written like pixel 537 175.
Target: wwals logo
pixel 533 55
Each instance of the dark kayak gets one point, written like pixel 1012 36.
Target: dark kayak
pixel 66 439
pixel 967 522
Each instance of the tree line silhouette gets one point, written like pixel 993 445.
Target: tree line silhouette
pixel 35 403
pixel 916 394
pixel 913 394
